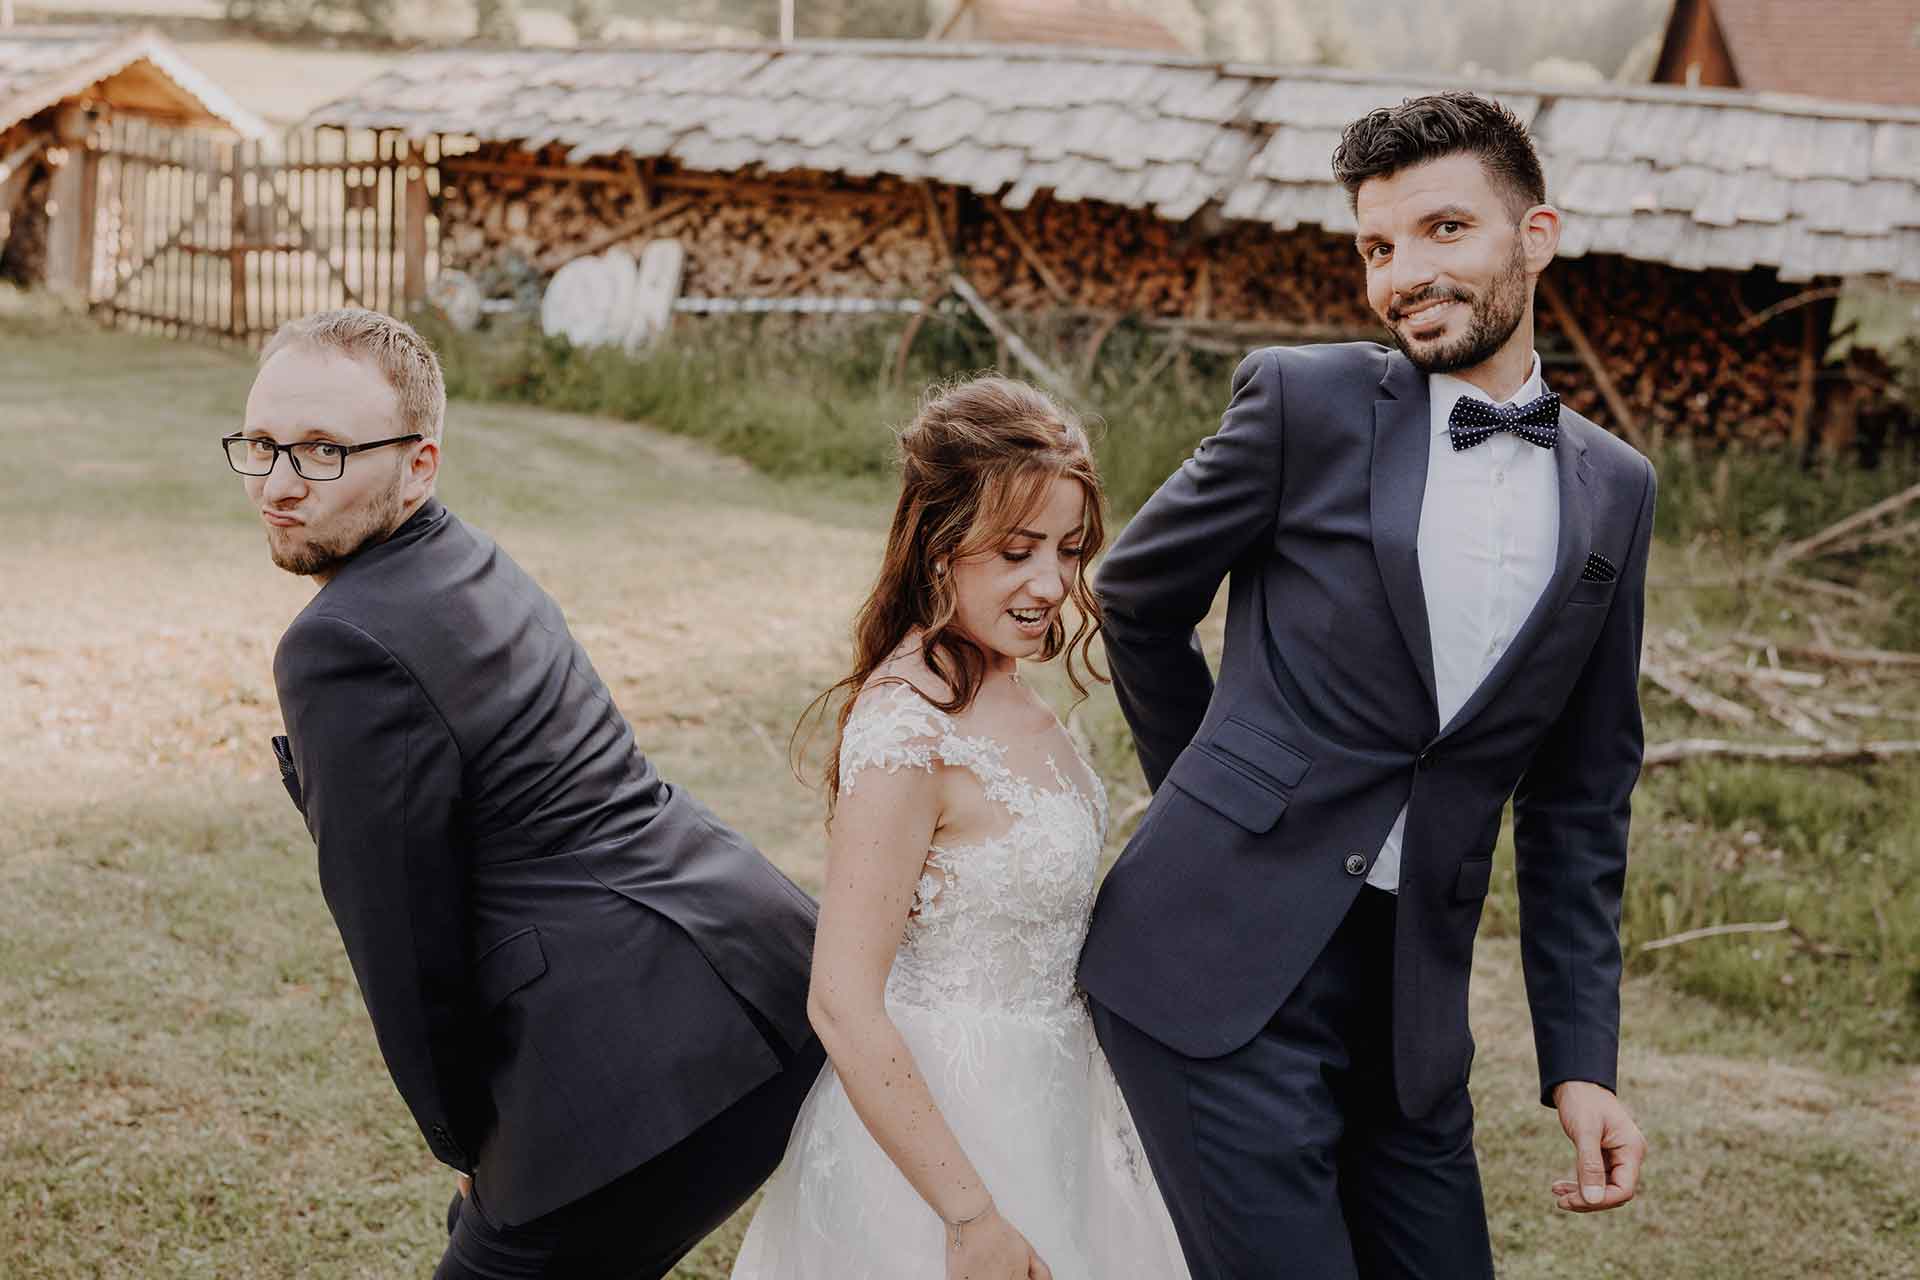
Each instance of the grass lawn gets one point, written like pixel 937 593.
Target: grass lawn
pixel 188 1082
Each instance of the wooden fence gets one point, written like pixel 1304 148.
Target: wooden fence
pixel 196 235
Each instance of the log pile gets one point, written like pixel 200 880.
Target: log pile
pixel 1688 353
pixel 1676 345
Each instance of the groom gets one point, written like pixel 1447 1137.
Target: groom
pixel 591 994
pixel 1435 588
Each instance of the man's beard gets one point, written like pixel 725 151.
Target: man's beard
pixel 369 524
pixel 1492 318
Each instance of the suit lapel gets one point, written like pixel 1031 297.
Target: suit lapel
pixel 1576 537
pixel 1402 423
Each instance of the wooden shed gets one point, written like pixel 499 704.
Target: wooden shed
pixel 60 87
pixel 1703 230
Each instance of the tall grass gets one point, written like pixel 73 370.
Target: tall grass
pixel 818 396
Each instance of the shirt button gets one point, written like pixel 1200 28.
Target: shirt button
pixel 1499 478
pixel 1356 865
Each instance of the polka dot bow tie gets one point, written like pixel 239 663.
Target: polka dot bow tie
pixel 1473 420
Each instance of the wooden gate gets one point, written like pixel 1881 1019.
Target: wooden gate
pixel 206 237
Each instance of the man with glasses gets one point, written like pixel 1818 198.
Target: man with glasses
pixel 590 992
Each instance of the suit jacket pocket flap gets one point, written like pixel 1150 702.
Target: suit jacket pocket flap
pixel 1262 751
pixel 1475 875
pixel 509 965
pixel 1227 788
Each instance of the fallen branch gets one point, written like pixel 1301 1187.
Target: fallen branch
pixel 1664 753
pixel 1838 657
pixel 1838 531
pixel 1700 699
pixel 1717 931
pixel 1785 305
pixel 1818 586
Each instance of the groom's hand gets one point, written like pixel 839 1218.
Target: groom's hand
pixel 1608 1148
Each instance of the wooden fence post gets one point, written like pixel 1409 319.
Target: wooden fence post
pixel 414 278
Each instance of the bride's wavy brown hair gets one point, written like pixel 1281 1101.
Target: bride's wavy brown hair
pixel 975 462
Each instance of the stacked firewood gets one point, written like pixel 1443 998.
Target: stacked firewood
pixel 1679 347
pixel 1687 352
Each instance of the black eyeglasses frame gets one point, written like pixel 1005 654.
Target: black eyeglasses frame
pixel 293 459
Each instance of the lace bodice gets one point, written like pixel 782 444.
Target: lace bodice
pixel 997 923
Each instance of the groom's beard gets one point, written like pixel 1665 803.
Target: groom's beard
pixel 1492 318
pixel 311 554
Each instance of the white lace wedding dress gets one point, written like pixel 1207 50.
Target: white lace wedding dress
pixel 983 992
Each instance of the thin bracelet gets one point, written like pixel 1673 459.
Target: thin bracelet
pixel 953 1227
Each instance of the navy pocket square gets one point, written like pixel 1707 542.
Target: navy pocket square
pixel 1598 569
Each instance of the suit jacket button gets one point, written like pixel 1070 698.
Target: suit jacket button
pixel 1356 865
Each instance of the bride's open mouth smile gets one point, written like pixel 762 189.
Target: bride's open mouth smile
pixel 1030 622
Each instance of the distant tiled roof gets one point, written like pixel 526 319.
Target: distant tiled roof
pixel 1691 178
pixel 1072 22
pixel 40 66
pixel 1858 50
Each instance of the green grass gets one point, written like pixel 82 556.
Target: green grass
pixel 188 1083
pixel 815 396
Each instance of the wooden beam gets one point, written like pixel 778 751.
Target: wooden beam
pixel 1616 403
pixel 1803 394
pixel 1048 376
pixel 613 235
pixel 1029 253
pixel 673 181
pixel 937 228
pixel 798 282
pixel 915 322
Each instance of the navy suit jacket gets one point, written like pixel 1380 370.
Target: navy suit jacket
pixel 1274 789
pixel 569 962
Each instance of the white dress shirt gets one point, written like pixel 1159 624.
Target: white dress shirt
pixel 1489 528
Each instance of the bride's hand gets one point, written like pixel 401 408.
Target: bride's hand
pixel 992 1249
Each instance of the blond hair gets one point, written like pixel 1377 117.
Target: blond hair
pixel 392 346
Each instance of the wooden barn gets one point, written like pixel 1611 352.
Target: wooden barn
pixel 1705 231
pixel 61 90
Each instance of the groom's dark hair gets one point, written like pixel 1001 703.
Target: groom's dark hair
pixel 1386 140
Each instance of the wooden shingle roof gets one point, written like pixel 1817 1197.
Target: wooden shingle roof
pixel 1692 178
pixel 141 73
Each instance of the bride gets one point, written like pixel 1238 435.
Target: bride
pixel 967 1124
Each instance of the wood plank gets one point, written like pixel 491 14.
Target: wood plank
pixel 1012 342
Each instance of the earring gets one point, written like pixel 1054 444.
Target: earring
pixel 939 568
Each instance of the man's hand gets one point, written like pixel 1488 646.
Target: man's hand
pixel 464 1183
pixel 1608 1148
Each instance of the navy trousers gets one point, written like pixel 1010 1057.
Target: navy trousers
pixel 1289 1157
pixel 638 1226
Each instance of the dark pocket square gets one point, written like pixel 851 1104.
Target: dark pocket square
pixel 283 753
pixel 1598 569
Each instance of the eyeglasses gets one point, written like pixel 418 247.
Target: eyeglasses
pixel 311 459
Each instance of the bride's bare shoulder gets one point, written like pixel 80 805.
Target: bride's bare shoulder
pixel 906 668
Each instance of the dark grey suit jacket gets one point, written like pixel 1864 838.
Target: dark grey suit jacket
pixel 558 948
pixel 1286 777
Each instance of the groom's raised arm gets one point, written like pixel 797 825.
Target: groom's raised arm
pixel 380 779
pixel 1160 579
pixel 1570 842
